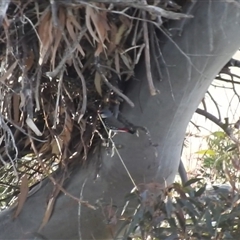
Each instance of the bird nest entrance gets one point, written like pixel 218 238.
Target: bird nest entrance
pixel 62 62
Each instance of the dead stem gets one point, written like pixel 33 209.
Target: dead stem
pixel 116 90
pixel 153 90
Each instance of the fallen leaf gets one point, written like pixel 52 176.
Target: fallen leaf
pixel 58 35
pixel 45 35
pixel 127 60
pixel 121 30
pixel 56 146
pixel 73 36
pixel 45 147
pixel 27 143
pixel 72 19
pixel 117 62
pixel 88 23
pixel 24 189
pixel 50 205
pixel 113 32
pixel 33 127
pixel 65 136
pixel 48 212
pixel 98 83
pixel 99 20
pixel 16 112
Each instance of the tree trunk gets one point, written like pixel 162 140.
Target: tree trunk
pixel 208 41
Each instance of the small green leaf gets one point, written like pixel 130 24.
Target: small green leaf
pixel 180 216
pixel 179 189
pixel 200 191
pixel 219 134
pixel 230 147
pixel 190 208
pixel 191 181
pixel 131 196
pixel 206 152
pixel 135 221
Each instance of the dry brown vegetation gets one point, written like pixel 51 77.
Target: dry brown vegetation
pixel 62 61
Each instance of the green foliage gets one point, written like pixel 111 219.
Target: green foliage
pixel 194 210
pixel 185 212
pixel 221 156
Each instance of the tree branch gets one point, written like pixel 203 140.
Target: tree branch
pixel 225 128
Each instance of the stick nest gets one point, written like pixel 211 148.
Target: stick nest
pixel 61 62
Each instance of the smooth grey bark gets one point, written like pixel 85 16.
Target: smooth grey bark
pixel 209 40
pixel 182 172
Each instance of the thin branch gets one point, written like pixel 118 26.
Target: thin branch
pixel 68 53
pixel 227 80
pixel 215 103
pixel 59 92
pixel 155 49
pixel 196 126
pixel 226 129
pixel 116 90
pixel 161 12
pixel 152 88
pixel 145 7
pixel 234 90
pixel 164 63
pixel 84 90
pixel 79 210
pixel 117 152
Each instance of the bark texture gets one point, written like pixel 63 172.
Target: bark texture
pixel 207 42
